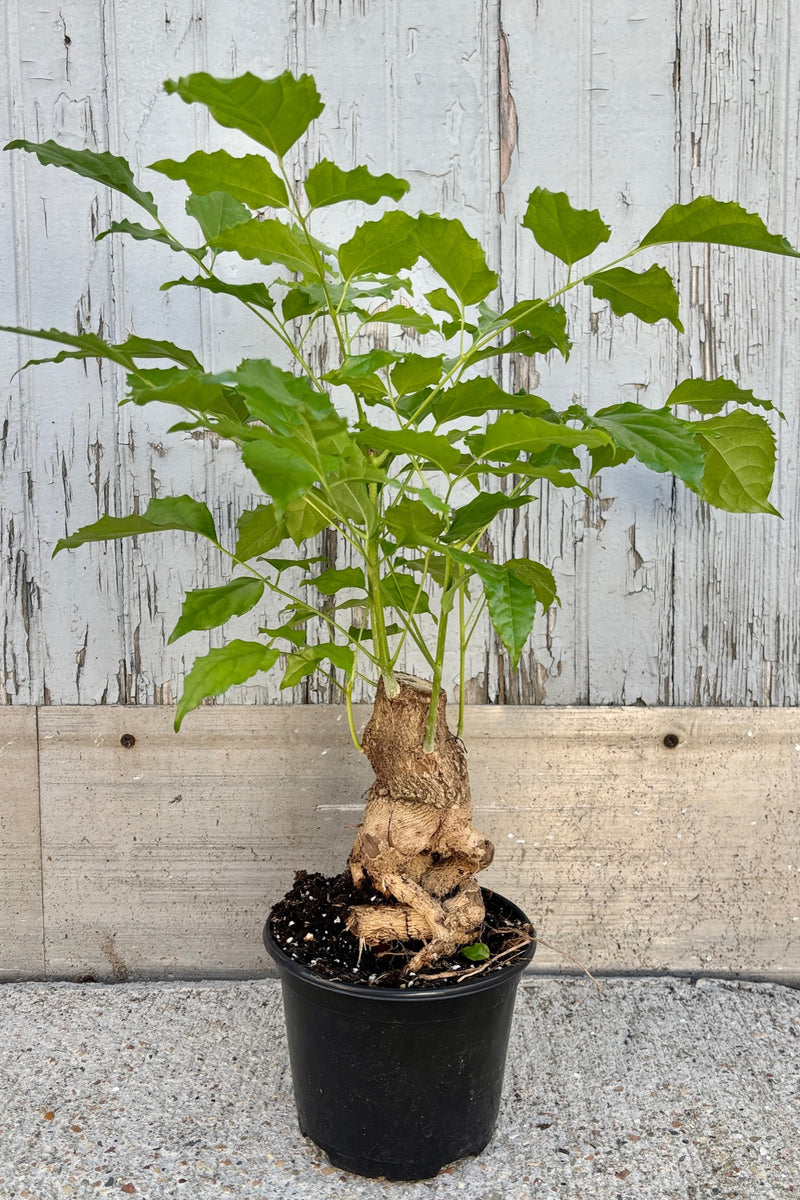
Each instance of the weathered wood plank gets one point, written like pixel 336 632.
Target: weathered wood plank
pixel 162 859
pixel 21 930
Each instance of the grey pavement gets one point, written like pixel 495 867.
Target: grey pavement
pixel 650 1089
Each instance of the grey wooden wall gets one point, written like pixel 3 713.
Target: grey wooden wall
pixel 627 105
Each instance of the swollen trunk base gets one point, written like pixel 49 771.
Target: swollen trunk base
pixel 397 1083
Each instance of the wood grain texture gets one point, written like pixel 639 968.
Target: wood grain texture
pixel 21 929
pixel 627 107
pixel 163 858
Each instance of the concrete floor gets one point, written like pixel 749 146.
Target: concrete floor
pixel 651 1089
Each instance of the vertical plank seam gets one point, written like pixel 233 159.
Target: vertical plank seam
pixel 45 963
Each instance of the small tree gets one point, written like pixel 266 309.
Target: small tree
pixel 412 470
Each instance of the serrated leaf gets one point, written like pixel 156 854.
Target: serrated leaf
pixel 304 662
pixel 249 293
pixel 358 371
pixel 304 520
pixel 399 314
pixel 739 462
pixel 457 257
pixel 711 395
pixel 411 523
pixel 510 601
pixel 205 608
pixel 191 390
pixel 221 669
pixel 381 247
pixel 282 472
pixel 656 437
pixel 473 517
pixel 260 529
pixel 328 184
pixel 289 632
pixel 284 402
pixel 420 445
pixel 569 233
pixel 477 952
pixel 403 592
pixel 107 169
pixel 336 580
pixel 169 512
pixel 216 212
pixel 442 301
pixel 538 577
pixel 143 233
pixel 270 242
pixel 649 295
pixel 416 371
pixel 545 324
pixel 515 433
pixel 476 397
pixel 273 112
pixel 249 179
pixel 721 223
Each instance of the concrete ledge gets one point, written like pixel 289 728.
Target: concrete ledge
pixel 650 1089
pixel 636 839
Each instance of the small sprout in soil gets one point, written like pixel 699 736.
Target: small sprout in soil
pixel 477 952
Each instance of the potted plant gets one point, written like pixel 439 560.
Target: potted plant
pixel 409 454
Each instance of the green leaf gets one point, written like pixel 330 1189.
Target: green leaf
pixel 545 324
pixel 285 564
pixel 87 345
pixel 358 371
pixel 403 592
pixel 328 184
pixel 537 576
pixel 304 521
pixel 305 662
pixel 511 602
pixel 726 224
pixel 260 529
pixel 248 293
pixel 420 445
pixel 479 513
pixel 711 395
pixel 273 112
pixel 477 952
pixel 656 437
pixel 193 391
pixel 139 347
pixel 215 212
pixel 107 169
pixel 442 301
pixel 205 608
pixel 399 314
pixel 142 233
pixel 477 397
pixel 221 669
pixel 569 233
pixel 289 632
pixel 173 512
pixel 380 247
pixel 250 179
pixel 739 462
pixel 283 401
pixel 411 523
pixel 270 242
pixel 416 371
pixel 649 295
pixel 456 256
pixel 282 472
pixel 332 581
pixel 515 433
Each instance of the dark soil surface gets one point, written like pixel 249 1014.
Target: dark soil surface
pixel 309 926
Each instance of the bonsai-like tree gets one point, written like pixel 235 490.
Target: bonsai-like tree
pixel 408 454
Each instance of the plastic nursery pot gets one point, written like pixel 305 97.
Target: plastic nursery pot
pixel 397 1083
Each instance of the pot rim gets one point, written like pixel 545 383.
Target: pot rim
pixel 408 995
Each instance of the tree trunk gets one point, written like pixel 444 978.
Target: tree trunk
pixel 417 845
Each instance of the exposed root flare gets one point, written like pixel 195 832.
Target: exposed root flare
pixel 417 844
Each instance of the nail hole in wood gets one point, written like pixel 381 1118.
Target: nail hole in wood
pixel 127 741
pixel 671 740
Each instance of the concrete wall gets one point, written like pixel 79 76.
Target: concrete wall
pixel 161 858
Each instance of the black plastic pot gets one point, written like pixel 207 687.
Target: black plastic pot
pixel 397 1083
